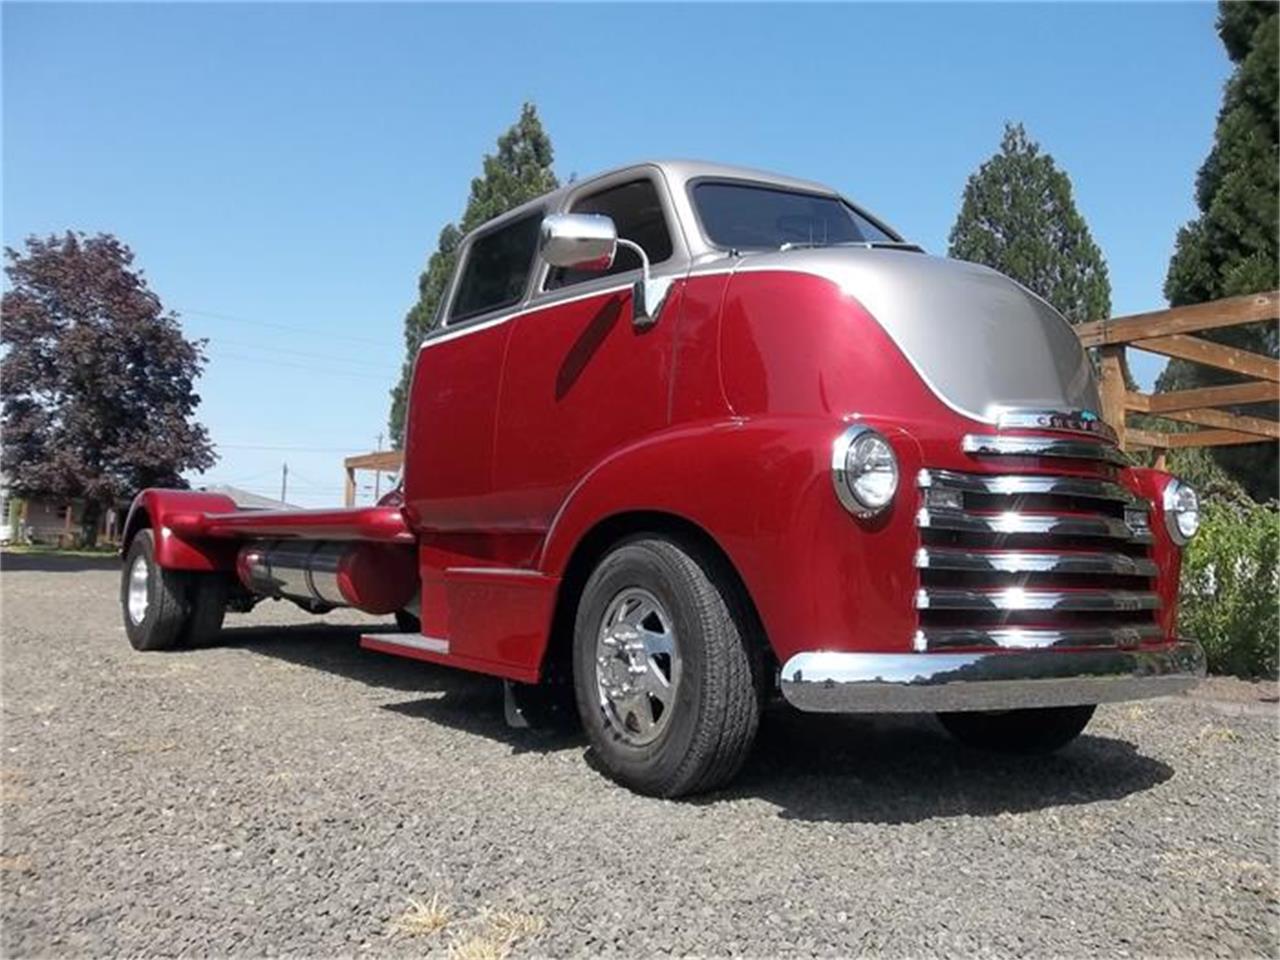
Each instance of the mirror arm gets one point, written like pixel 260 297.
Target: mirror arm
pixel 649 294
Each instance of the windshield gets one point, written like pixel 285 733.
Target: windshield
pixel 746 216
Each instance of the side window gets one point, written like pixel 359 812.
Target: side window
pixel 497 268
pixel 637 213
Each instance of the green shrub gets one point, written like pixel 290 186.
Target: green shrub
pixel 1230 598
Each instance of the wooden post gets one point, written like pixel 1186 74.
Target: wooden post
pixel 349 493
pixel 1112 388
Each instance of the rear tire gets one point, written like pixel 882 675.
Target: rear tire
pixel 152 599
pixel 207 603
pixel 678 713
pixel 1028 732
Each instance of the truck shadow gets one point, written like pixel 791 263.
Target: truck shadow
pixel 839 769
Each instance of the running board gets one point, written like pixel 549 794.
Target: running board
pixel 404 644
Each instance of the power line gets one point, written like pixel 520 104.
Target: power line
pixel 310 331
pixel 332 358
pixel 351 374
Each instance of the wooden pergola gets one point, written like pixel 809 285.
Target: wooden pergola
pixel 1168 333
pixel 382 461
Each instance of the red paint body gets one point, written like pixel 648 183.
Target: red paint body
pixel 526 435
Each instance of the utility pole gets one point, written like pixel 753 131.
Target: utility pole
pixel 284 481
pixel 377 474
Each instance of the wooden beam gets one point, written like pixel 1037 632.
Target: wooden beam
pixel 1208 417
pixel 1111 389
pixel 1228 395
pixel 1213 355
pixel 1212 438
pixel 1138 402
pixel 1146 438
pixel 389 460
pixel 1191 319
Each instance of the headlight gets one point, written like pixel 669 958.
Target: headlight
pixel 864 471
pixel 1181 511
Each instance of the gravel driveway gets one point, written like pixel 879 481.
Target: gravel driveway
pixel 288 793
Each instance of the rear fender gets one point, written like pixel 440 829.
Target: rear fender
pixel 156 509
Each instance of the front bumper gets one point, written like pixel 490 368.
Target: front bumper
pixel 836 682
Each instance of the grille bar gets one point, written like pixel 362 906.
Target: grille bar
pixel 1013 485
pixel 1012 521
pixel 1024 598
pixel 1034 561
pixel 1043 447
pixel 1035 638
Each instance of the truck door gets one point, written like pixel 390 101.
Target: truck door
pixel 452 409
pixel 580 379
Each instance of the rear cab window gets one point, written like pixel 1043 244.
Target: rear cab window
pixel 637 213
pixel 497 268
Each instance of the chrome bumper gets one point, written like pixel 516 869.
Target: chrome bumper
pixel 835 682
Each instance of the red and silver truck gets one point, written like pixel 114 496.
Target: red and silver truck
pixel 685 436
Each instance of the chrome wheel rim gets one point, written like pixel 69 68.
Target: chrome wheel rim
pixel 138 590
pixel 637 666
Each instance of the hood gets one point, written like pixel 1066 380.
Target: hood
pixel 979 340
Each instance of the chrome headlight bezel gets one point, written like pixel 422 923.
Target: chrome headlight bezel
pixel 1181 511
pixel 858 455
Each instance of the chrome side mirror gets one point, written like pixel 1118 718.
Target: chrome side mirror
pixel 581 241
pixel 590 241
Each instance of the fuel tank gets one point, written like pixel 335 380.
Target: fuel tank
pixel 320 575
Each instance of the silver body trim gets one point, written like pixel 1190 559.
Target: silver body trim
pixel 1014 599
pixel 1009 446
pixel 1034 561
pixel 838 682
pixel 1012 485
pixel 1048 524
pixel 1035 638
pixel 433 644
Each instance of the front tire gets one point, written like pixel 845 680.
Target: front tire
pixel 1027 732
pixel 665 668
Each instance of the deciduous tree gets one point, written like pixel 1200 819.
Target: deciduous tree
pixel 98 380
pixel 519 171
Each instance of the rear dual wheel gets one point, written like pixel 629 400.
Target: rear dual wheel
pixel 164 609
pixel 666 668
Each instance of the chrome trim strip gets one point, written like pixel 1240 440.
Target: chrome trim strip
pixel 433 644
pixel 840 682
pixel 1025 598
pixel 1035 638
pixel 1030 561
pixel 982 445
pixel 1011 521
pixel 1007 484
pixel 1067 421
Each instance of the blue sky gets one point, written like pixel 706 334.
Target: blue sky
pixel 282 171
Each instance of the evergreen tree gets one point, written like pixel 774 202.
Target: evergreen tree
pixel 1018 217
pixel 1231 248
pixel 519 171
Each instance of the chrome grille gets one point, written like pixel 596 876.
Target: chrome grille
pixel 1031 561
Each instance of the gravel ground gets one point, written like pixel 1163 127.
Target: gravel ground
pixel 288 793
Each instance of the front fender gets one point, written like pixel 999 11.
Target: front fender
pixel 154 509
pixel 761 488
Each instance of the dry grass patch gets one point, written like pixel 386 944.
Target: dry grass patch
pixel 501 931
pixel 423 918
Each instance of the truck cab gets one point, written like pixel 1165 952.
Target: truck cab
pixel 684 436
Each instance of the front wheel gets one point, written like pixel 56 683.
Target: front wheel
pixel 1034 731
pixel 665 670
